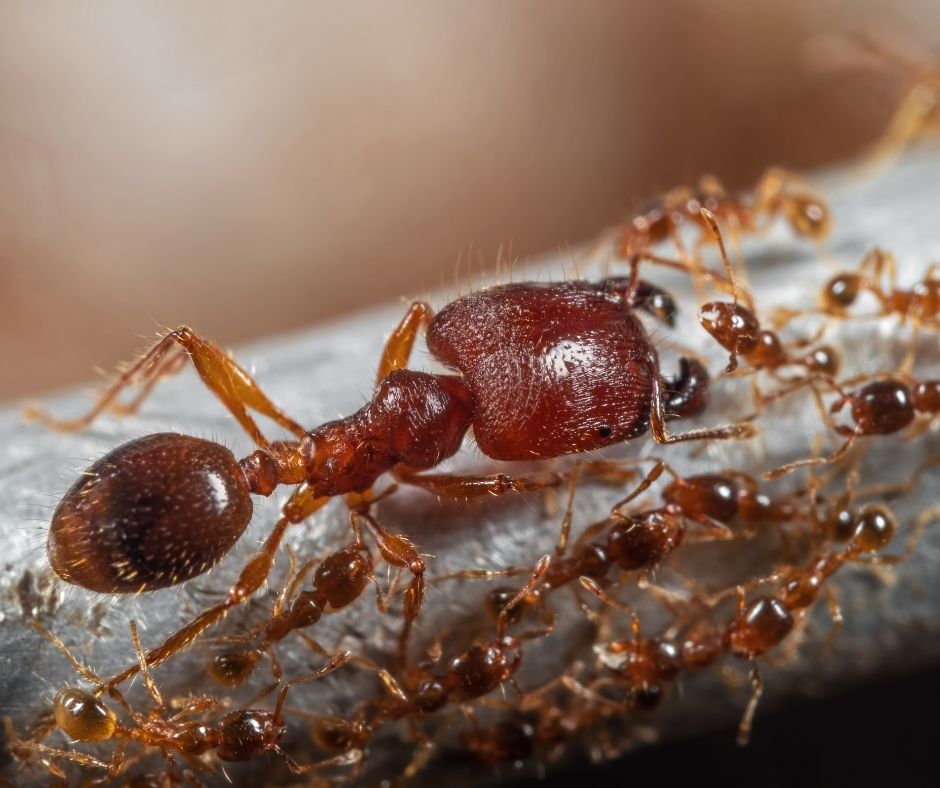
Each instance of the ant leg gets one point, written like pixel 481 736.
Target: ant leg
pixel 747 721
pixel 345 759
pixel 400 343
pixel 655 472
pixel 221 375
pixel 837 455
pixel 142 661
pixel 337 662
pixel 298 508
pixel 465 487
pixel 565 533
pixel 835 613
pixel 739 431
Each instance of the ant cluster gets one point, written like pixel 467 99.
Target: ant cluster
pixel 542 374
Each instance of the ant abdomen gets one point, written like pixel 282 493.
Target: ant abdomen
pixel 152 513
pixel 83 716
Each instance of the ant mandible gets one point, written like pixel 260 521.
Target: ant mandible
pixel 544 370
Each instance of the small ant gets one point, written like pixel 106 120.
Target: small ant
pixel 340 578
pixel 471 675
pixel 643 665
pixel 920 304
pixel 774 195
pixel 881 407
pixel 240 735
pixel 765 621
pixel 737 329
pixel 545 370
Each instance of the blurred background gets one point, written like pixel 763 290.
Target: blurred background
pixel 253 168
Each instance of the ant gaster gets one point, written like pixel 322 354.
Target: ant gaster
pixel 545 370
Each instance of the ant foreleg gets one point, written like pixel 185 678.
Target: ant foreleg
pixel 459 487
pixel 221 375
pixel 399 345
pixel 739 431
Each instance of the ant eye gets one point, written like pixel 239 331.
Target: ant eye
pixel 83 717
pixel 154 512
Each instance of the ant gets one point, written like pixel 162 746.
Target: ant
pixel 774 195
pixel 545 370
pixel 240 735
pixel 474 673
pixel 340 578
pixel 764 622
pixel 643 665
pixel 920 304
pixel 882 407
pixel 737 329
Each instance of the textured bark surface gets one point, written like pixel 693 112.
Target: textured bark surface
pixel 892 620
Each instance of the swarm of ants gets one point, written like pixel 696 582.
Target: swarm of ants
pixel 547 377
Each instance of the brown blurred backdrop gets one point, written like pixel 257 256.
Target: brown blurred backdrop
pixel 249 168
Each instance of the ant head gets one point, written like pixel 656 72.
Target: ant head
pixel 83 717
pixel 154 512
pixel 733 326
pixel 760 626
pixel 808 215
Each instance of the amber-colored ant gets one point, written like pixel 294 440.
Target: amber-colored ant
pixel 546 370
pixel 240 735
pixel 762 623
pixel 920 304
pixel 736 328
pixel 339 579
pixel 643 666
pixel 774 195
pixel 882 407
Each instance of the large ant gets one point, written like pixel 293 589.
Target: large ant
pixel 545 370
pixel 774 194
pixel 239 735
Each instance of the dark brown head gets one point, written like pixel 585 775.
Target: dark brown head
pixel 154 512
pixel 882 407
pixel 482 668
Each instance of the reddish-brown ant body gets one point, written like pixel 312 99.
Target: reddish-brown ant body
pixel 774 195
pixel 882 407
pixel 545 370
pixel 239 735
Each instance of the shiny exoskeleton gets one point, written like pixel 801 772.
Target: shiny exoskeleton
pixel 543 370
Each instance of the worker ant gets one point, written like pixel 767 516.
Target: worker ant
pixel 777 193
pixel 239 735
pixel 339 579
pixel 882 407
pixel 920 304
pixel 545 370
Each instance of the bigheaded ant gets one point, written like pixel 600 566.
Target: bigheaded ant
pixel 239 735
pixel 544 370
